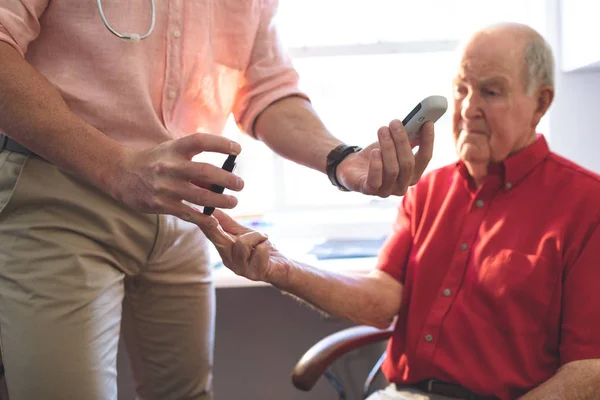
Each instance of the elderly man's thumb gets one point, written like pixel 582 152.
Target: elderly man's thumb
pixel 230 225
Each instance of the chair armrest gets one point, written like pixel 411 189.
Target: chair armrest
pixel 320 356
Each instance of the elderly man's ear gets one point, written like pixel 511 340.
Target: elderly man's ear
pixel 545 96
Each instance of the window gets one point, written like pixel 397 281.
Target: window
pixel 364 63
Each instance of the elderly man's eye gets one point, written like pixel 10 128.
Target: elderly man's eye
pixel 490 92
pixel 459 91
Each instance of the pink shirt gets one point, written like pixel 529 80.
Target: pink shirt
pixel 204 60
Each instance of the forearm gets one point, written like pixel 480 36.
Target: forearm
pixel 33 113
pixel 372 299
pixel 292 129
pixel 579 380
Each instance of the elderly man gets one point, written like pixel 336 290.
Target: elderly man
pixel 493 265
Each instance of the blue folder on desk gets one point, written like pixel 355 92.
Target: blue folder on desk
pixel 347 248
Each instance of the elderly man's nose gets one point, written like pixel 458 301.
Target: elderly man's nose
pixel 469 107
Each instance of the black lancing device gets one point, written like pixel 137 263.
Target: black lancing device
pixel 228 165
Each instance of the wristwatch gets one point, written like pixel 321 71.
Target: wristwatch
pixel 334 158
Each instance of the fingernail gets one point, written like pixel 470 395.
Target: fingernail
pixel 239 183
pixel 384 133
pixel 396 125
pixel 236 148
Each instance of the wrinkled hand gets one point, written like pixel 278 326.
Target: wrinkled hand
pixel 388 166
pixel 158 180
pixel 246 252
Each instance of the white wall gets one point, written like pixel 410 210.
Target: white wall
pixel 575 119
pixel 580 31
pixel 575 115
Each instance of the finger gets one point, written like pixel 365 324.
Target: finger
pixel 259 261
pixel 197 143
pixel 202 197
pixel 230 225
pixel 222 241
pixel 375 174
pixel 404 156
pixel 193 215
pixel 390 161
pixel 203 185
pixel 425 152
pixel 244 247
pixel 205 174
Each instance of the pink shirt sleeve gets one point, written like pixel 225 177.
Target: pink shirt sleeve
pixel 19 22
pixel 270 75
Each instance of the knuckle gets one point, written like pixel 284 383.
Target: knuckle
pixel 403 140
pixel 145 204
pixel 201 169
pixel 369 190
pixel 407 165
pixel 158 168
pixel 155 205
pixel 197 200
pixel 402 191
pixel 393 171
pixel 157 187
pixel 199 139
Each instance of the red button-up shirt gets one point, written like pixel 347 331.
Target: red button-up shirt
pixel 502 281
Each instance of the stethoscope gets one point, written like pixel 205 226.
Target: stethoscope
pixel 134 37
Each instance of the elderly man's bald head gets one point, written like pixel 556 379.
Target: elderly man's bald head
pixel 538 61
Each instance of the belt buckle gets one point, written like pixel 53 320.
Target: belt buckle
pixel 430 385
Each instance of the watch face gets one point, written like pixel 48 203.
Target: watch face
pixel 334 158
pixel 336 154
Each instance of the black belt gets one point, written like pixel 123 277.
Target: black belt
pixel 7 143
pixel 444 389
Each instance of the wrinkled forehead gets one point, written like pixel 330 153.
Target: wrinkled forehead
pixel 488 57
pixel 476 70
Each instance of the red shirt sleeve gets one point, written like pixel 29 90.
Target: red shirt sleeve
pixel 394 253
pixel 580 329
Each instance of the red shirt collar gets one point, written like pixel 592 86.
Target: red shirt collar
pixel 515 167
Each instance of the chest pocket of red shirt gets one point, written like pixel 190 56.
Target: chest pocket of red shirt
pixel 513 291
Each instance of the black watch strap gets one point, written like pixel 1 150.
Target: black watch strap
pixel 334 158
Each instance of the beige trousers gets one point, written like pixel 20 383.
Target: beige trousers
pixel 75 267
